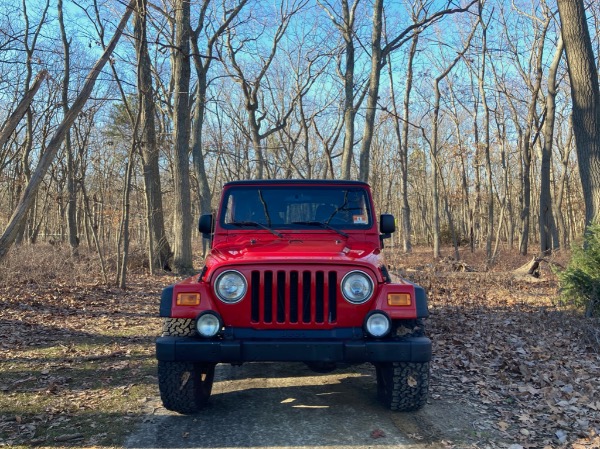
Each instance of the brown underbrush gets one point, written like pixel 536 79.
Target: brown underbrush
pixel 504 343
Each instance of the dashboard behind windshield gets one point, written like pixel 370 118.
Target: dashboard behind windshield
pixel 295 207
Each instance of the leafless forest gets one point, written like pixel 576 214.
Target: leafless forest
pixel 121 122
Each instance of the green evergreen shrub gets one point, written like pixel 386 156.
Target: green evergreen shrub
pixel 580 281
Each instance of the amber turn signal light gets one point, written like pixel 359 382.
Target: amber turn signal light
pixel 188 299
pixel 399 299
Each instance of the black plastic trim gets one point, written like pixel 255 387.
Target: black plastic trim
pixel 202 273
pixel 166 301
pixel 414 349
pixel 421 302
pixel 343 333
pixel 386 274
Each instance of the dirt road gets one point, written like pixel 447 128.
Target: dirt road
pixel 287 405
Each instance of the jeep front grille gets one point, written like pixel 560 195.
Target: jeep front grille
pixel 301 296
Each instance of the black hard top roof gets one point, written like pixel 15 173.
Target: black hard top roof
pixel 332 182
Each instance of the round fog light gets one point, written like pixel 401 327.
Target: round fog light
pixel 377 324
pixel 208 324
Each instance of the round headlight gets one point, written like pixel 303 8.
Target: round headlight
pixel 377 324
pixel 208 324
pixel 231 286
pixel 357 287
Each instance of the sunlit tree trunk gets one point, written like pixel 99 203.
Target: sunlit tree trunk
pixel 182 225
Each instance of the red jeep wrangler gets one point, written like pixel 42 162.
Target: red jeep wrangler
pixel 295 274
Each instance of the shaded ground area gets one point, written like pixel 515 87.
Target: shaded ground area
pixel 512 369
pixel 286 405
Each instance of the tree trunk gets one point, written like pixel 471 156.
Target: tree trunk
pixel 585 95
pixel 158 247
pixel 29 194
pixel 94 228
pixel 71 186
pixel 547 224
pixel 486 140
pixel 182 245
pixel 406 221
pixel 202 65
pixel 435 150
pixel 373 95
pixel 349 110
pixel 563 233
pixel 11 124
pixel 125 208
pixel 527 144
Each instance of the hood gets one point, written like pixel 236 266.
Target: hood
pixel 294 249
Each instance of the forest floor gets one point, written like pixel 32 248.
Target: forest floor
pixel 77 364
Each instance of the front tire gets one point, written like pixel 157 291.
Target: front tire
pixel 403 386
pixel 185 387
pixel 179 327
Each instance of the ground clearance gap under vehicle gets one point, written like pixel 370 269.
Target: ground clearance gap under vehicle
pixel 295 273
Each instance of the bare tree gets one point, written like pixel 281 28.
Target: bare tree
pixel 486 135
pixel 29 194
pixel 158 246
pixel 546 221
pixel 435 144
pixel 182 220
pixel 202 63
pixel 15 117
pixel 71 185
pixel 30 41
pixel 251 88
pixel 379 58
pixel 346 24
pixel 585 95
pixel 403 144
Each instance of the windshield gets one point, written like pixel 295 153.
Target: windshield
pixel 296 207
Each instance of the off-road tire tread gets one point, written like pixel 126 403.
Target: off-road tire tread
pixel 182 389
pixel 405 386
pixel 179 327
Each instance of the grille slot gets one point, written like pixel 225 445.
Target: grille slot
pixel 295 296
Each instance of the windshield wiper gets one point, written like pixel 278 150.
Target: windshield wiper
pixel 258 225
pixel 322 225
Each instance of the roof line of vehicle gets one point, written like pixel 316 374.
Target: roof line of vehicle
pixel 296 181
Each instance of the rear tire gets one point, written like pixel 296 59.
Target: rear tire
pixel 403 386
pixel 185 387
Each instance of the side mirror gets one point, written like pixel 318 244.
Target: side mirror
pixel 387 224
pixel 205 225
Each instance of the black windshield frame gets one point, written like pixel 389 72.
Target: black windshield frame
pixel 287 207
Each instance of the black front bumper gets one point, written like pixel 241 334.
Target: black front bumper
pixel 415 349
